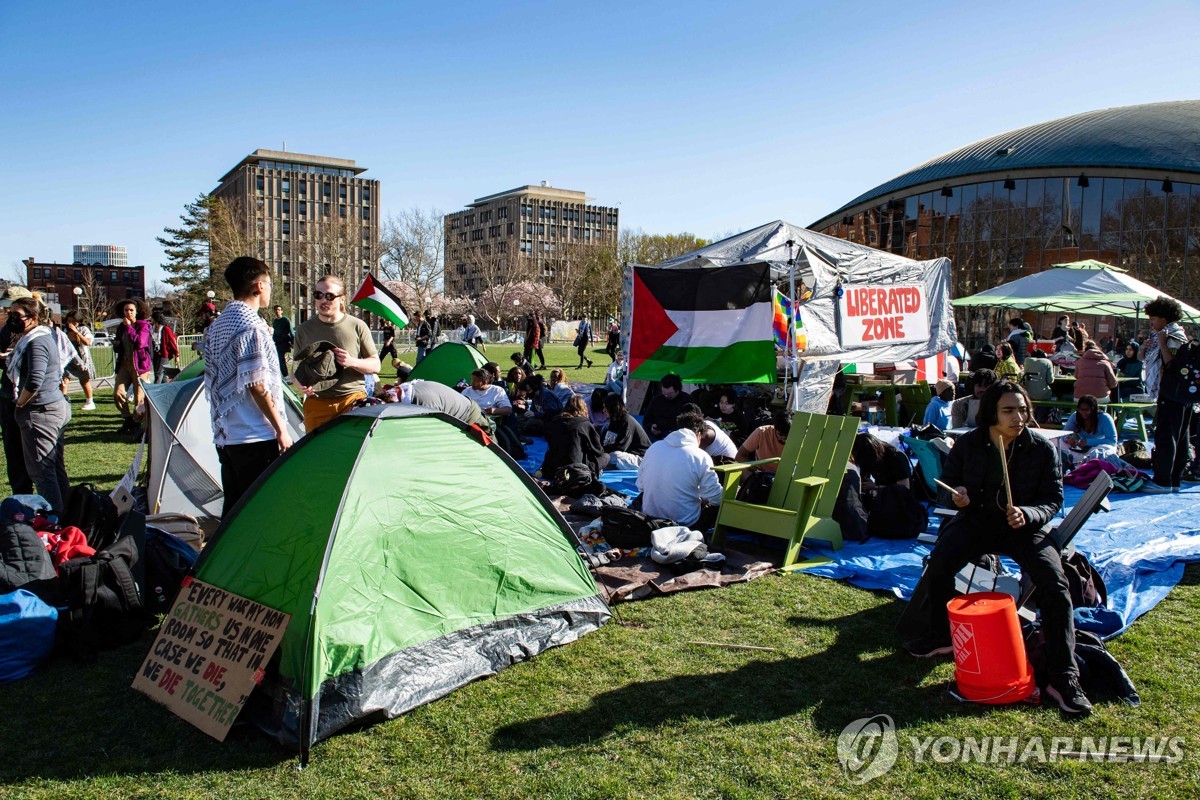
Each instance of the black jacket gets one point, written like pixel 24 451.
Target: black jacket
pixel 24 562
pixel 626 435
pixel 571 440
pixel 662 412
pixel 974 462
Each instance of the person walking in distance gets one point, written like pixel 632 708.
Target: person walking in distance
pixel 583 339
pixel 283 335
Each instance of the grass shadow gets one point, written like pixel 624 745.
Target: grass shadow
pixel 112 729
pixel 829 684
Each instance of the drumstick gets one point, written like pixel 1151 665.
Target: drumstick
pixel 1004 467
pixel 946 486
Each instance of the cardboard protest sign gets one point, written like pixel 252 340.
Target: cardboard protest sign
pixel 209 654
pixel 881 315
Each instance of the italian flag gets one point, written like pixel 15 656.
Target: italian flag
pixel 705 325
pixel 373 296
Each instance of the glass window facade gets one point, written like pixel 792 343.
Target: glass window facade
pixel 992 233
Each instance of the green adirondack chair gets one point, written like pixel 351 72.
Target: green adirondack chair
pixel 916 397
pixel 807 480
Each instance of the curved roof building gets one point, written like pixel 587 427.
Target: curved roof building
pixel 1120 185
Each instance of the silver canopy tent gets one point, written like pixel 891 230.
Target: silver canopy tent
pixel 828 264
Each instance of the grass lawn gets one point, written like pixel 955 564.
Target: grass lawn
pixel 632 710
pixel 563 356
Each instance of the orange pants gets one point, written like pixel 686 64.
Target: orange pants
pixel 319 410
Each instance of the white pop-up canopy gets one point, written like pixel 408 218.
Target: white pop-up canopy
pixel 1093 289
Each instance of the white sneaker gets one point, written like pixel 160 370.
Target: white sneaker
pixel 1150 487
pixel 89 406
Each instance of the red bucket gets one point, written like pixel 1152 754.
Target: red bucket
pixel 990 665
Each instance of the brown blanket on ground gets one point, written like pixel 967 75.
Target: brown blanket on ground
pixel 637 578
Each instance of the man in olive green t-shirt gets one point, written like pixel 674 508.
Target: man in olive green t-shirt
pixel 349 335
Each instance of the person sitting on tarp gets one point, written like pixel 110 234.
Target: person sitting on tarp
pixel 987 522
pixel 660 415
pixel 625 441
pixel 571 439
pixel 938 411
pixel 1093 432
pixel 962 412
pixel 676 478
pixel 885 478
pixel 766 441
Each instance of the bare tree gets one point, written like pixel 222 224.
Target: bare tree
pixel 92 299
pixel 639 247
pixel 412 248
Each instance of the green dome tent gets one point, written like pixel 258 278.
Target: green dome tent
pixel 449 363
pixel 400 590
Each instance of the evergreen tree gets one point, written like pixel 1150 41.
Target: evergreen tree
pixel 188 247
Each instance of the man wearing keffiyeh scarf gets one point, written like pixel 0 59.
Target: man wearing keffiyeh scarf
pixel 242 380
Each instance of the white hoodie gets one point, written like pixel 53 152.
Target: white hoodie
pixel 675 475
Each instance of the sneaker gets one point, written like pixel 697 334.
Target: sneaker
pixel 90 405
pixel 1190 477
pixel 1066 691
pixel 1150 487
pixel 930 645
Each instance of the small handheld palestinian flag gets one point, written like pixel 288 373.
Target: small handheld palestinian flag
pixel 373 296
pixel 708 325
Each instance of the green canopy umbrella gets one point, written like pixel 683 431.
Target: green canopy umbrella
pixel 1088 290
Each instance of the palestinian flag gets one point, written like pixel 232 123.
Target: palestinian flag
pixel 373 296
pixel 705 325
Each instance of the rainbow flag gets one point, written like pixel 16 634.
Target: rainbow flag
pixel 784 313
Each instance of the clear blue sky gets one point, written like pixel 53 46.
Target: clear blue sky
pixel 709 117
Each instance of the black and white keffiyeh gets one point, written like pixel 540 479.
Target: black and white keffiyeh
pixel 238 352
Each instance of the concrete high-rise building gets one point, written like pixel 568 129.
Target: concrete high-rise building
pixel 525 233
pixel 305 216
pixel 106 255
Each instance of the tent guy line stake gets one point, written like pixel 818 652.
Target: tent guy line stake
pixel 736 646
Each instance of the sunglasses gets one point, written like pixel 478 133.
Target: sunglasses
pixel 17 314
pixel 319 295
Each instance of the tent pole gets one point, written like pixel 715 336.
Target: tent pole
pixel 790 359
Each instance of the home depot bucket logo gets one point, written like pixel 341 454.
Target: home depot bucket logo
pixel 966 651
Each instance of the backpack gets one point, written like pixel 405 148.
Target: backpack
pixel 1181 378
pixel 629 529
pixel 894 513
pixel 94 513
pixel 168 561
pixel 104 605
pixel 575 480
pixel 543 331
pixel 1086 586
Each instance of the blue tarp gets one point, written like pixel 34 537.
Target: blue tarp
pixel 1139 548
